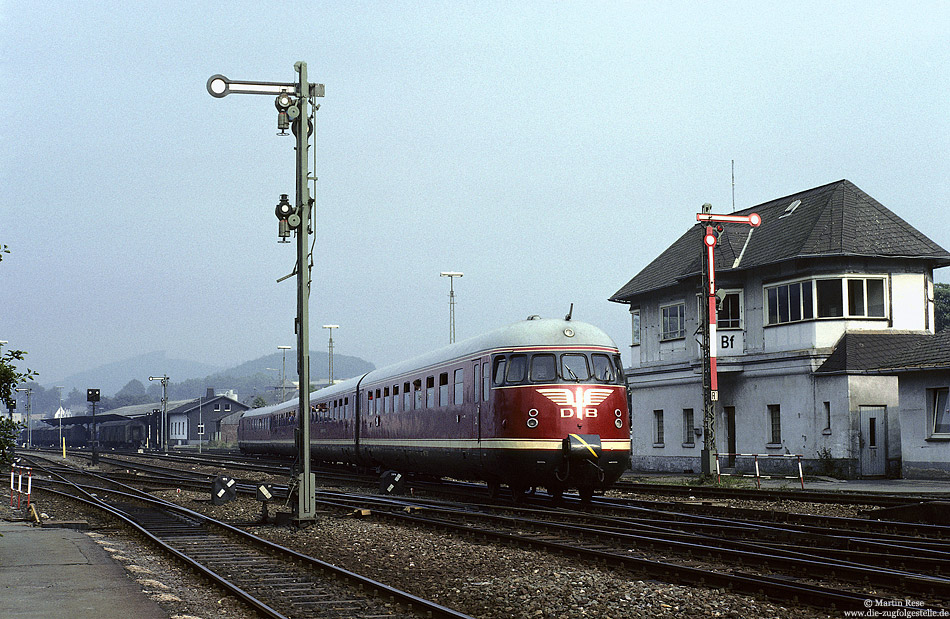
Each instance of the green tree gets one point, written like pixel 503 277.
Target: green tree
pixel 10 377
pixel 942 306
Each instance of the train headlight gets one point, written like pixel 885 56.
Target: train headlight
pixel 618 413
pixel 618 422
pixel 532 422
pixel 533 412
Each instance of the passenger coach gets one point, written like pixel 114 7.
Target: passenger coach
pixel 538 403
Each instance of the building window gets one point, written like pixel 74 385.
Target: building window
pixel 789 302
pixel 827 406
pixel 635 322
pixel 674 321
pixel 688 440
pixel 658 428
pixel 775 422
pixel 940 411
pixel 857 297
pixel 830 301
pixel 729 314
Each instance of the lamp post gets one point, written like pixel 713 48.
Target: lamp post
pixel 330 328
pixel 451 275
pixel 283 371
pixel 292 101
pixel 29 409
pixel 163 432
pixel 92 395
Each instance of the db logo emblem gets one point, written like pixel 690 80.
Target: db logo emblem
pixel 580 402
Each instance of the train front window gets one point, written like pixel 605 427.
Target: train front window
pixel 517 367
pixel 604 368
pixel 543 368
pixel 574 367
pixel 499 373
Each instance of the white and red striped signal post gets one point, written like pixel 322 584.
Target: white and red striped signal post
pixel 710 375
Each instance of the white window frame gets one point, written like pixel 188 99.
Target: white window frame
pixel 719 323
pixel 635 326
pixel 844 280
pixel 933 401
pixel 689 422
pixel 659 432
pixel 670 335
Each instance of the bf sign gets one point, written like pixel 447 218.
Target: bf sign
pixel 731 342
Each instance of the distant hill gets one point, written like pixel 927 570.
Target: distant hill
pixel 111 377
pixel 343 366
pixel 189 379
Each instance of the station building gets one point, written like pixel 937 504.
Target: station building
pixel 814 305
pixel 203 415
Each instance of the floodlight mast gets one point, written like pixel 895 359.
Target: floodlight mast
pixel 710 374
pixel 220 86
pixel 451 275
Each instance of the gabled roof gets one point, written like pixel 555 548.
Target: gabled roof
pixel 837 219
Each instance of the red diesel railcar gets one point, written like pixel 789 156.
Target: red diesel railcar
pixel 538 403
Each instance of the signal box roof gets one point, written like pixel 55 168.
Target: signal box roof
pixel 834 220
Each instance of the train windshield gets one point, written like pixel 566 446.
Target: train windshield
pixel 604 369
pixel 568 367
pixel 574 367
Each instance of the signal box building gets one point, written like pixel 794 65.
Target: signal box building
pixel 829 278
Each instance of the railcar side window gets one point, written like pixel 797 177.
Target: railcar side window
pixel 406 397
pixel 574 367
pixel 476 381
pixel 430 392
pixel 499 373
pixel 459 386
pixel 603 368
pixel 517 367
pixel 386 406
pixel 486 379
pixel 395 398
pixel 419 395
pixel 543 368
pixel 444 389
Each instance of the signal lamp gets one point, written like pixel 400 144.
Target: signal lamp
pixel 284 207
pixel 283 101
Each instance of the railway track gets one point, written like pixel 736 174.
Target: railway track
pixel 766 494
pixel 829 562
pixel 275 581
pixel 621 542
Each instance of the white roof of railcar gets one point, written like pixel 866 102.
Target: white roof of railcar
pixel 541 332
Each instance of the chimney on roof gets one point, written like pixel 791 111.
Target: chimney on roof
pixel 210 393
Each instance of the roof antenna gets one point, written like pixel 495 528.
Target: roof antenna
pixel 570 312
pixel 733 185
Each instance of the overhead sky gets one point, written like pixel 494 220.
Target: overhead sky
pixel 547 150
